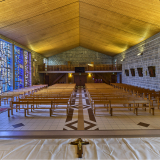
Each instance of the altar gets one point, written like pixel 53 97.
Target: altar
pixel 105 148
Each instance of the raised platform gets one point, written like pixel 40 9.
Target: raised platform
pixel 83 134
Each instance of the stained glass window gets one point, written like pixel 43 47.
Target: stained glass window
pixel 19 67
pixel 27 62
pixel 5 66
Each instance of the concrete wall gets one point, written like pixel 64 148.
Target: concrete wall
pixel 150 57
pixel 79 56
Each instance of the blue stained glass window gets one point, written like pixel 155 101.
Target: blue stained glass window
pixel 5 66
pixel 19 67
pixel 27 62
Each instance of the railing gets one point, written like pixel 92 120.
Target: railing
pixel 105 67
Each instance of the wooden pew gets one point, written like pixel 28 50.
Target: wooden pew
pixel 100 102
pixel 101 97
pixel 33 101
pixel 122 102
pixel 28 107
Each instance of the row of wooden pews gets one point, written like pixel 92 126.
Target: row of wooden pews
pixel 142 92
pixel 58 96
pixel 103 96
pixel 6 97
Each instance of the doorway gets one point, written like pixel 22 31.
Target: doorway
pixel 80 80
pixel 113 78
pixel 120 78
pixel 47 79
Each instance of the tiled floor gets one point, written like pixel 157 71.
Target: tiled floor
pixel 127 120
pixel 40 120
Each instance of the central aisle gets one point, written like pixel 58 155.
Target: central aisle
pixel 80 115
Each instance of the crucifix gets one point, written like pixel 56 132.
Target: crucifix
pixel 79 144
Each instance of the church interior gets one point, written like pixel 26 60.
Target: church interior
pixel 79 79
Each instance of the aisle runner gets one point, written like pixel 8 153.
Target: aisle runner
pixel 89 118
pixel 72 118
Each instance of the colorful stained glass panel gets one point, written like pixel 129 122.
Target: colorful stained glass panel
pixel 19 67
pixel 27 62
pixel 5 66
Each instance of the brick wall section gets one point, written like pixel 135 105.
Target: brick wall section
pixel 150 57
pixel 79 56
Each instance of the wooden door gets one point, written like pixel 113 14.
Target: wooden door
pixel 80 80
pixel 83 80
pixel 47 79
pixel 113 78
pixel 76 80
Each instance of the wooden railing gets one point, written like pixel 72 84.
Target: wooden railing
pixel 105 67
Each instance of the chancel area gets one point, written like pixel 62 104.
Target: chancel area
pixel 79 79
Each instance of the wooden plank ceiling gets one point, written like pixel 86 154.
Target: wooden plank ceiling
pixel 50 27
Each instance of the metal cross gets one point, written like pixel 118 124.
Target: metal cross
pixel 79 144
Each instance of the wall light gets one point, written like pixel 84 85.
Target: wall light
pixel 140 54
pixel 90 65
pixel 70 74
pixel 89 74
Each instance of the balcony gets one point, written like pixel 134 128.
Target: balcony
pixel 71 69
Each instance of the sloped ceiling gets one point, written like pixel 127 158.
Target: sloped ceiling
pixel 50 27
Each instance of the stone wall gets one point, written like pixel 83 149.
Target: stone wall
pixel 119 74
pixel 151 57
pixel 36 77
pixel 79 56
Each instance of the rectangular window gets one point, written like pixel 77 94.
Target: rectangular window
pixel 19 67
pixel 27 64
pixel 5 66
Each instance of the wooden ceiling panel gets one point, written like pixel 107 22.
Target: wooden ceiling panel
pixel 106 31
pixel 130 8
pixel 113 19
pixel 53 30
pixel 54 34
pixel 62 43
pixel 104 42
pixel 65 42
pixel 103 47
pixel 106 26
pixel 42 21
pixel 58 38
pixel 17 11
